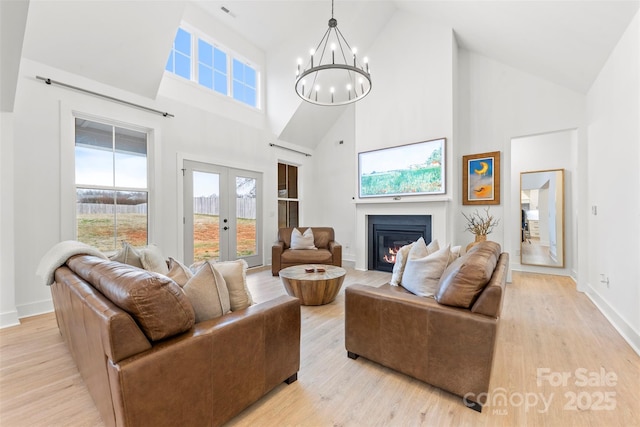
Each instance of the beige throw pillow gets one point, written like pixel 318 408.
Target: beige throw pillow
pixel 208 294
pixel 179 272
pixel 153 260
pixel 422 272
pixel 302 240
pixel 127 255
pixel 235 277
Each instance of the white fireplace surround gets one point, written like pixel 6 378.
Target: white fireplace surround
pixel 440 228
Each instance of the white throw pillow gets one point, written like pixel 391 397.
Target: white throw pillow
pixel 422 273
pixel 127 255
pixel 302 241
pixel 153 260
pixel 398 267
pixel 208 294
pixel 235 277
pixel 433 246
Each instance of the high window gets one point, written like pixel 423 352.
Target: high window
pixel 287 195
pixel 195 58
pixel 111 185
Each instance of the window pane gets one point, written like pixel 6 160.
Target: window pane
pixel 238 90
pixel 292 181
pixel 169 66
pixel 96 220
pixel 183 42
pixel 220 83
pixel 183 66
pixel 249 76
pixel 238 70
pixel 131 217
pixel 130 158
pixel 205 76
pixel 282 213
pixel 292 214
pixel 93 153
pixel 205 53
pixel 220 61
pixel 250 96
pixel 282 180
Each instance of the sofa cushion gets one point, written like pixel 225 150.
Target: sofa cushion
pixel 208 293
pixel 155 301
pixel 235 276
pixel 422 273
pixel 179 272
pixel 321 256
pixel 302 240
pixel 153 260
pixel 464 279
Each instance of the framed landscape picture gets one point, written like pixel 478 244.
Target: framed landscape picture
pixel 481 179
pixel 412 169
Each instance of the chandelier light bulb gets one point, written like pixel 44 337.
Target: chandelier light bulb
pixel 317 88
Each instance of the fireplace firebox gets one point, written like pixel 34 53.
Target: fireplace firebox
pixel 388 233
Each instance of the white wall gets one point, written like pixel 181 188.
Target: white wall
pixel 330 203
pixel 411 101
pixel 8 312
pixel 497 103
pixel 614 179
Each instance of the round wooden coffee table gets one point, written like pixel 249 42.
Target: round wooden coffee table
pixel 315 287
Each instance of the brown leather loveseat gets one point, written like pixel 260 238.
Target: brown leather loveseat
pixel 447 341
pixel 145 361
pixel 328 251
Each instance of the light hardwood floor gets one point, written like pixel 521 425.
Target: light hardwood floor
pixel 545 324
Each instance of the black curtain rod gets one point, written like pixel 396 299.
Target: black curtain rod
pixel 110 98
pixel 271 144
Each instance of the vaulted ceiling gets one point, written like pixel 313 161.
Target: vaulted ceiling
pixel 125 44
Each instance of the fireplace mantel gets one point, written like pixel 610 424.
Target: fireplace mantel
pixel 441 227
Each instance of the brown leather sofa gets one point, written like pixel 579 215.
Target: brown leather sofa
pixel 448 346
pixel 146 362
pixel 329 251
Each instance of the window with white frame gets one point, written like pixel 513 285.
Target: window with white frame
pixel 195 58
pixel 111 185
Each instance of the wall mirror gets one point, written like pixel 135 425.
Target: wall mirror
pixel 542 228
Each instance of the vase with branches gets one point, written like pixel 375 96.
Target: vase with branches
pixel 480 224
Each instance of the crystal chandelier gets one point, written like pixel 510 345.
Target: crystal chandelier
pixel 333 75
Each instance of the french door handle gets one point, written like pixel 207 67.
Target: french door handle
pixel 225 228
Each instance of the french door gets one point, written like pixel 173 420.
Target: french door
pixel 222 213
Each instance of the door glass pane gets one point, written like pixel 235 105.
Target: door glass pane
pixel 206 216
pixel 245 216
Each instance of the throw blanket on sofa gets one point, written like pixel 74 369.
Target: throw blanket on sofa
pixel 59 254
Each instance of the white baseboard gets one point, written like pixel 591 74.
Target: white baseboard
pixel 35 308
pixel 9 318
pixel 624 329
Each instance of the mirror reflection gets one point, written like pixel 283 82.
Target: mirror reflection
pixel 542 228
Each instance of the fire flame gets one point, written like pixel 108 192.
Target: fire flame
pixel 391 256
